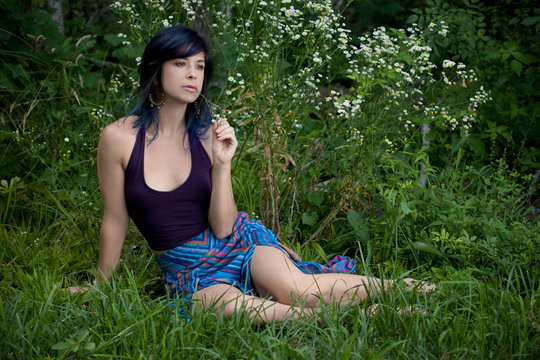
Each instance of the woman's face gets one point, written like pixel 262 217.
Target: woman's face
pixel 182 78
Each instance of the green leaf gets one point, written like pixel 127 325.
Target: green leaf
pixel 309 219
pixel 502 80
pixel 63 345
pixel 426 247
pixel 316 199
pixel 512 45
pixel 404 206
pixel 358 225
pixel 90 346
pixel 320 251
pixel 528 21
pixel 516 67
pixel 354 217
pixel 412 19
pixel 469 203
pixel 524 58
pixel 81 334
pixel 113 39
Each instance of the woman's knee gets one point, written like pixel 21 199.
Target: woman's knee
pixel 274 274
pixel 220 298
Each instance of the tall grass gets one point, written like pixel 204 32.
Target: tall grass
pixel 465 318
pixel 470 316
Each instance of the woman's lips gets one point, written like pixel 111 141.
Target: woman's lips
pixel 190 88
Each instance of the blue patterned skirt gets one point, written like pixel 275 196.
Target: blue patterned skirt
pixel 206 260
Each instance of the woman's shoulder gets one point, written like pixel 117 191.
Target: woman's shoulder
pixel 118 138
pixel 121 129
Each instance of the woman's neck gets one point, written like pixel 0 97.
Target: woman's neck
pixel 172 119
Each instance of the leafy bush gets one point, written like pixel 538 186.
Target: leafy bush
pixel 500 40
pixel 467 217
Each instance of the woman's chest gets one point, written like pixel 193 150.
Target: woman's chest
pixel 166 166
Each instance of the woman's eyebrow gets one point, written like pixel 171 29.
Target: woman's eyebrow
pixel 185 58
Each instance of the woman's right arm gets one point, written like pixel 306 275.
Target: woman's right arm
pixel 111 152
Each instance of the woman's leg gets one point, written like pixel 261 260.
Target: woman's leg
pixel 227 299
pixel 274 274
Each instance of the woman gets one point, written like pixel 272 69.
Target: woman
pixel 168 167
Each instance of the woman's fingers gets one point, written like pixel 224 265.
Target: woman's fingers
pixel 225 133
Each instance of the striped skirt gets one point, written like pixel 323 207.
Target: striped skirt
pixel 206 260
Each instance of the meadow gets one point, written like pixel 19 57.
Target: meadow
pixel 411 147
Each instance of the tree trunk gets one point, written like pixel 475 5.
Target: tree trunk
pixel 58 16
pixel 425 144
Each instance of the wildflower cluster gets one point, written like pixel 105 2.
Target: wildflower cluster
pixel 123 37
pixel 346 107
pixel 439 27
pixel 391 146
pixel 125 7
pixel 400 61
pixel 156 4
pixel 99 113
pixel 304 33
pixel 355 136
pixel 115 84
pixel 100 116
pixel 190 6
pixel 146 17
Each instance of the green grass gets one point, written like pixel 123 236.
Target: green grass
pixel 466 318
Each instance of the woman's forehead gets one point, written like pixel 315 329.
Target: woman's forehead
pixel 200 56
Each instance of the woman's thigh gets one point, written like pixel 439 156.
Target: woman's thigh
pixel 274 274
pixel 216 296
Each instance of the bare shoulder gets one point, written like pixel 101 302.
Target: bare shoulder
pixel 121 129
pixel 118 138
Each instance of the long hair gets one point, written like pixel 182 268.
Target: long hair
pixel 171 43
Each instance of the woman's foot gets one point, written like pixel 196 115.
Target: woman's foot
pixel 419 285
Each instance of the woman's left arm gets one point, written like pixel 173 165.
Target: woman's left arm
pixel 222 212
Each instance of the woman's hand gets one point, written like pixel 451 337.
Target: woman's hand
pixel 224 141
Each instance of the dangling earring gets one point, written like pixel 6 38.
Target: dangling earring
pixel 196 104
pixel 154 103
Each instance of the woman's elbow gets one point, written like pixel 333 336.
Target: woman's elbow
pixel 222 226
pixel 222 230
pixel 221 233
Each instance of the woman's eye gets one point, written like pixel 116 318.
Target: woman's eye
pixel 180 63
pixel 200 67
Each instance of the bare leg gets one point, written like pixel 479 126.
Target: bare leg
pixel 227 299
pixel 273 273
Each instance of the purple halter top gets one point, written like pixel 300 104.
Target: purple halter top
pixel 168 218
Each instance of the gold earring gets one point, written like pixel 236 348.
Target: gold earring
pixel 159 103
pixel 196 104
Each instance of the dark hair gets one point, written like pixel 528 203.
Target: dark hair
pixel 170 43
